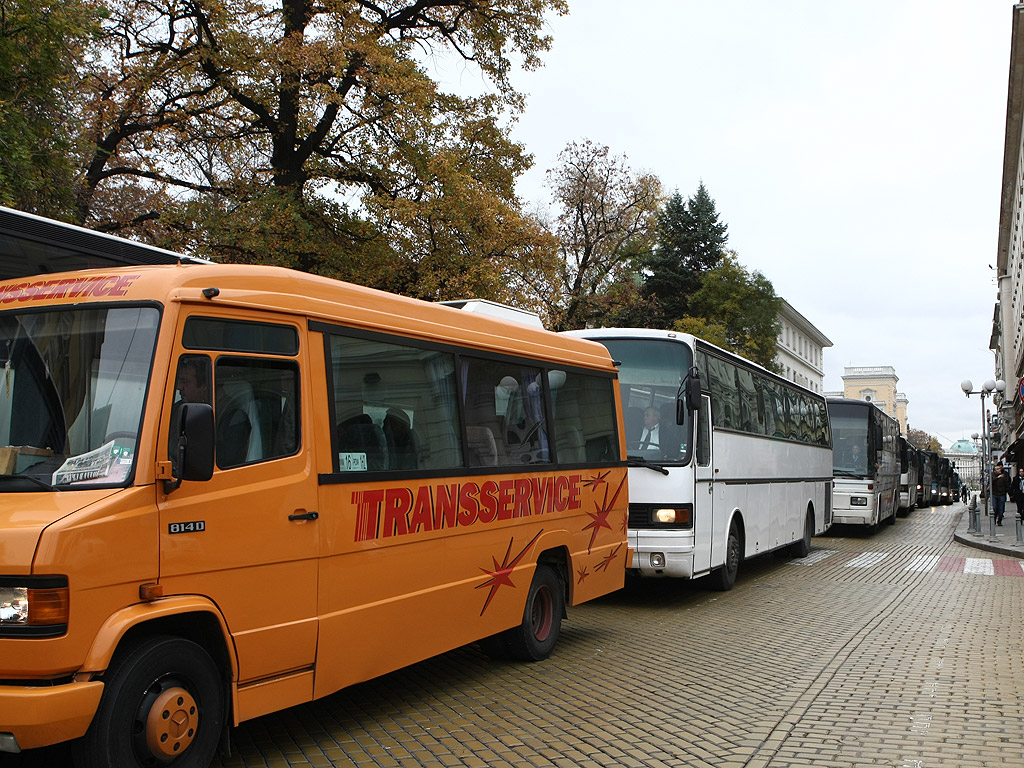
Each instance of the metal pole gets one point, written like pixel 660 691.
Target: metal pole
pixel 988 471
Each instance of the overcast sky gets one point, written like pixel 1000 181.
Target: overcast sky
pixel 854 150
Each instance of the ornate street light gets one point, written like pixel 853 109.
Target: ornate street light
pixel 987 388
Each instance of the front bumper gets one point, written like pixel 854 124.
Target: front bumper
pixel 33 716
pixel 675 547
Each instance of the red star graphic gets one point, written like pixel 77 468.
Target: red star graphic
pixel 582 574
pixel 599 519
pixel 603 565
pixel 502 574
pixel 595 481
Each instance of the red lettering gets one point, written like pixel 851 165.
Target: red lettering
pixel 574 492
pixel 561 493
pixel 123 284
pixel 29 291
pixel 367 513
pixel 504 489
pixel 62 287
pixel 81 287
pixel 14 292
pixel 447 506
pixel 397 503
pixel 541 489
pixel 521 502
pixel 489 502
pixel 102 286
pixel 421 517
pixel 469 507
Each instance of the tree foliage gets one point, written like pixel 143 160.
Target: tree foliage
pixel 42 44
pixel 310 134
pixel 736 309
pixel 604 224
pixel 923 441
pixel 690 242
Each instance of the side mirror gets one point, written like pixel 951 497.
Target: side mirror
pixel 192 454
pixel 688 399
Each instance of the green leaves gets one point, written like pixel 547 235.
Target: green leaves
pixel 739 308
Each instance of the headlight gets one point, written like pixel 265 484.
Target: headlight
pixel 672 516
pixel 13 605
pixel 33 606
pixel 858 501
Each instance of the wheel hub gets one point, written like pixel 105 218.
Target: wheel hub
pixel 172 722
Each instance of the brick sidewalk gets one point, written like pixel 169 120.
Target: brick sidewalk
pixel 1008 539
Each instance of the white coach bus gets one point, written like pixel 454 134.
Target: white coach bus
pixel 740 462
pixel 867 463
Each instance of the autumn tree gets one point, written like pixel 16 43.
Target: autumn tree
pixel 42 44
pixel 690 242
pixel 311 135
pixel 923 441
pixel 737 310
pixel 603 224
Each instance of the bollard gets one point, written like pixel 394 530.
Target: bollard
pixel 973 522
pixel 1020 531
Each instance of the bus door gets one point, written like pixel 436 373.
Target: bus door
pixel 704 490
pixel 247 539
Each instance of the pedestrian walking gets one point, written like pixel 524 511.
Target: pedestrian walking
pixel 1000 487
pixel 1017 492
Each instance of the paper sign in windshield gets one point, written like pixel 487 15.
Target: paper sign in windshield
pixel 87 466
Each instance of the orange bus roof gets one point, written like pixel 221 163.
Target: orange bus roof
pixel 242 286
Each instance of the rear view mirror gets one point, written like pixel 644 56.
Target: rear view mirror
pixel 192 444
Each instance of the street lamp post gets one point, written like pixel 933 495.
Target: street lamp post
pixel 974 520
pixel 986 479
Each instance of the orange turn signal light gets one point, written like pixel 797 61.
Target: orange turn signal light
pixel 48 606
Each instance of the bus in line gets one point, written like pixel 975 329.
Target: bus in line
pixel 932 476
pixel 866 454
pixel 740 461
pixel 909 468
pixel 230 489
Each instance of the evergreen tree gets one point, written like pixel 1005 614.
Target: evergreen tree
pixel 690 241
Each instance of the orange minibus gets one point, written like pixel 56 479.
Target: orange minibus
pixel 226 490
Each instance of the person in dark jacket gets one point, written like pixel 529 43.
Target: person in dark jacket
pixel 1000 487
pixel 1017 491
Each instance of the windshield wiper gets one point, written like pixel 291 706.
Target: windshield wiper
pixel 640 461
pixel 847 473
pixel 32 480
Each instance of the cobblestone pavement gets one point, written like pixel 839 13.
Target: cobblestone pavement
pixel 902 648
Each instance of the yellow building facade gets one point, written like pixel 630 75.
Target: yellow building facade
pixel 877 384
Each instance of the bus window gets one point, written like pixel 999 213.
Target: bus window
pixel 584 410
pixel 704 434
pixel 255 403
pixel 505 422
pixel 394 406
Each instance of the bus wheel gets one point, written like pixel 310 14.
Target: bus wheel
pixel 535 638
pixel 802 547
pixel 163 704
pixel 723 578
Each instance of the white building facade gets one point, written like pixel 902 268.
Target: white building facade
pixel 800 349
pixel 1007 339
